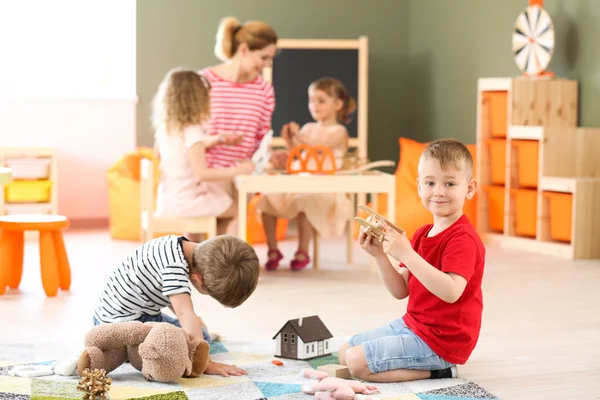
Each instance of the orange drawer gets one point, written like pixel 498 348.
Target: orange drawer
pixel 561 215
pixel 497 103
pixel 495 207
pixel 525 202
pixel 527 162
pixel 497 160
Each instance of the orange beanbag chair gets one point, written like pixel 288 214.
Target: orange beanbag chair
pixel 124 194
pixel 410 212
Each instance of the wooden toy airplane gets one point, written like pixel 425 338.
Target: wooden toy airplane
pixel 374 226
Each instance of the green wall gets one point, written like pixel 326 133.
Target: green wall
pixel 182 32
pixel 424 55
pixel 452 43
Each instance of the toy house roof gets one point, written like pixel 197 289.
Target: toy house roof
pixel 309 329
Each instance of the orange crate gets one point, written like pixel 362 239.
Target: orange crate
pixel 498 106
pixel 527 162
pixel 525 203
pixel 561 215
pixel 497 160
pixel 495 207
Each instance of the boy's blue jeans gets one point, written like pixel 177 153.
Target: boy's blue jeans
pixel 162 317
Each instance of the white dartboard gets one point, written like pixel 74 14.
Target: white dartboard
pixel 533 40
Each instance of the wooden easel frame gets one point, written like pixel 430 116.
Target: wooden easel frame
pixel 362 45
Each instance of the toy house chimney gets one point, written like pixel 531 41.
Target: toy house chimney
pixel 299 321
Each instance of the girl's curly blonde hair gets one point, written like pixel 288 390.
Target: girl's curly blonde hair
pixel 182 99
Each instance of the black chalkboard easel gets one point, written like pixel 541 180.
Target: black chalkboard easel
pixel 300 61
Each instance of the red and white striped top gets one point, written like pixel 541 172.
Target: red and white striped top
pixel 238 108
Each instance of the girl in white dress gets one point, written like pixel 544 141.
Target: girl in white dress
pixel 187 187
pixel 329 105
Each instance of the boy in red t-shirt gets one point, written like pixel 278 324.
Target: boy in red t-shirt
pixel 441 270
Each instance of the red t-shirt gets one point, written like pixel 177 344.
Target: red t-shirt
pixel 451 330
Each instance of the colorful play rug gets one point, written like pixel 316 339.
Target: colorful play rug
pixel 264 380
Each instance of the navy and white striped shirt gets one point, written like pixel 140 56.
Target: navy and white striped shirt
pixel 144 281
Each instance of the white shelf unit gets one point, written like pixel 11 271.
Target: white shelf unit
pixel 44 155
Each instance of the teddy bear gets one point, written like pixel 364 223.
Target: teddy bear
pixel 330 388
pixel 161 351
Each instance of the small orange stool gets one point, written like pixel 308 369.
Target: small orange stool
pixel 54 264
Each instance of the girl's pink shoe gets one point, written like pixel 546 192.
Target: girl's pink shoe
pixel 274 256
pixel 298 264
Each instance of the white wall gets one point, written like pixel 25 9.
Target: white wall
pixel 67 79
pixel 90 135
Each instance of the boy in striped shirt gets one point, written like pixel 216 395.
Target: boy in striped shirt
pixel 161 273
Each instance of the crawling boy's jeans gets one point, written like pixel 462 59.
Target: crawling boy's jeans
pixel 164 318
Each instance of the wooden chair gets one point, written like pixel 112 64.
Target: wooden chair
pixel 150 224
pixel 299 161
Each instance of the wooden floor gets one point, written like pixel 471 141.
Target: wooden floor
pixel 541 327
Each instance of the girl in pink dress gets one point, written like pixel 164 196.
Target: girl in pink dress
pixel 329 104
pixel 188 187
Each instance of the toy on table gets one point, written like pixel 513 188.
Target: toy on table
pixel 329 388
pixel 282 155
pixel 302 339
pixel 300 158
pixel 94 384
pixel 366 167
pixel 374 223
pixel 161 351
pixel 262 155
pixel 311 159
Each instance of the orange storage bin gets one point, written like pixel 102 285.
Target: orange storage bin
pixel 497 160
pixel 497 103
pixel 495 207
pixel 561 214
pixel 525 209
pixel 527 162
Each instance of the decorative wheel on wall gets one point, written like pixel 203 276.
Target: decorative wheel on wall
pixel 533 40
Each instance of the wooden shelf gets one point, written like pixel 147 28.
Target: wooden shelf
pixel 585 226
pixel 494 84
pixel 525 132
pixel 560 167
pixel 555 184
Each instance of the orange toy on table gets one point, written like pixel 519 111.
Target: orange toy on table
pixel 54 263
pixel 304 154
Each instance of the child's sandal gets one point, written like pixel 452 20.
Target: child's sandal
pixel 297 264
pixel 274 256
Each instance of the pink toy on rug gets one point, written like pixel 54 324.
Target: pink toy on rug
pixel 329 388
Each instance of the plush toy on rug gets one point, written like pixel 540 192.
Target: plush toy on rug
pixel 161 351
pixel 329 388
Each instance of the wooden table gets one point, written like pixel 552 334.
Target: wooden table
pixel 5 175
pixel 368 182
